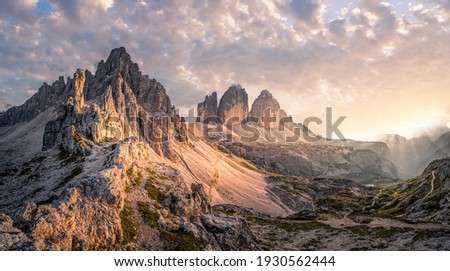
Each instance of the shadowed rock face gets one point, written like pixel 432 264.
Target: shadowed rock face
pixel 207 111
pixel 117 103
pixel 46 97
pixel 441 169
pixel 233 104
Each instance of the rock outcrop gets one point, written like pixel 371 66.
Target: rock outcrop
pixel 11 237
pixel 115 104
pixel 221 232
pixel 233 106
pixel 266 106
pixel 207 111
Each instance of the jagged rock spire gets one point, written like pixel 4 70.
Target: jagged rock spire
pixel 116 103
pixel 207 110
pixel 234 103
pixel 119 62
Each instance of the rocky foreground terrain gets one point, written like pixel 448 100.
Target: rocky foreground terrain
pixel 102 161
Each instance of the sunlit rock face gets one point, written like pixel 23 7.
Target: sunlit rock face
pixel 116 103
pixel 233 106
pixel 267 107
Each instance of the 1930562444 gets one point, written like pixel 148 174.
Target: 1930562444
pixel 304 261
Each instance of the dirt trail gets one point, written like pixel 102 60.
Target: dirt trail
pixel 432 185
pixel 374 200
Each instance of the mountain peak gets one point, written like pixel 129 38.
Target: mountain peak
pixel 265 101
pixel 207 110
pixel 118 54
pixel 119 62
pixel 265 94
pixel 234 103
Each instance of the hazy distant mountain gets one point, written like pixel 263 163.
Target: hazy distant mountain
pixel 406 153
pixel 411 156
pixel 439 148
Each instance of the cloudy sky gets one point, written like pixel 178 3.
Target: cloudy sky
pixel 385 65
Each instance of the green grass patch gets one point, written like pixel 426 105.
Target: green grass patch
pixel 129 172
pixel 162 177
pixel 181 241
pixel 147 214
pixel 393 211
pixel 68 158
pixel 76 137
pixel 130 228
pixel 127 188
pixel 248 165
pixel 228 212
pixel 151 171
pixel 342 202
pixel 303 215
pixel 75 172
pixel 138 180
pixel 153 192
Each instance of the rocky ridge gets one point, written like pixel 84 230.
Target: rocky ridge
pixel 46 97
pixel 114 104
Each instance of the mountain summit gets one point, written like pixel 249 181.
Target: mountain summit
pixel 118 102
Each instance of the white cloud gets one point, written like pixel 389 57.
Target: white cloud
pixel 417 7
pixel 368 53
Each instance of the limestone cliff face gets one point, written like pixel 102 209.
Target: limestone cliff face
pixel 233 104
pixel 207 111
pixel 266 105
pixel 114 104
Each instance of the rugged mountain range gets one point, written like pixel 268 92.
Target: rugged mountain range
pixel 282 146
pixel 102 161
